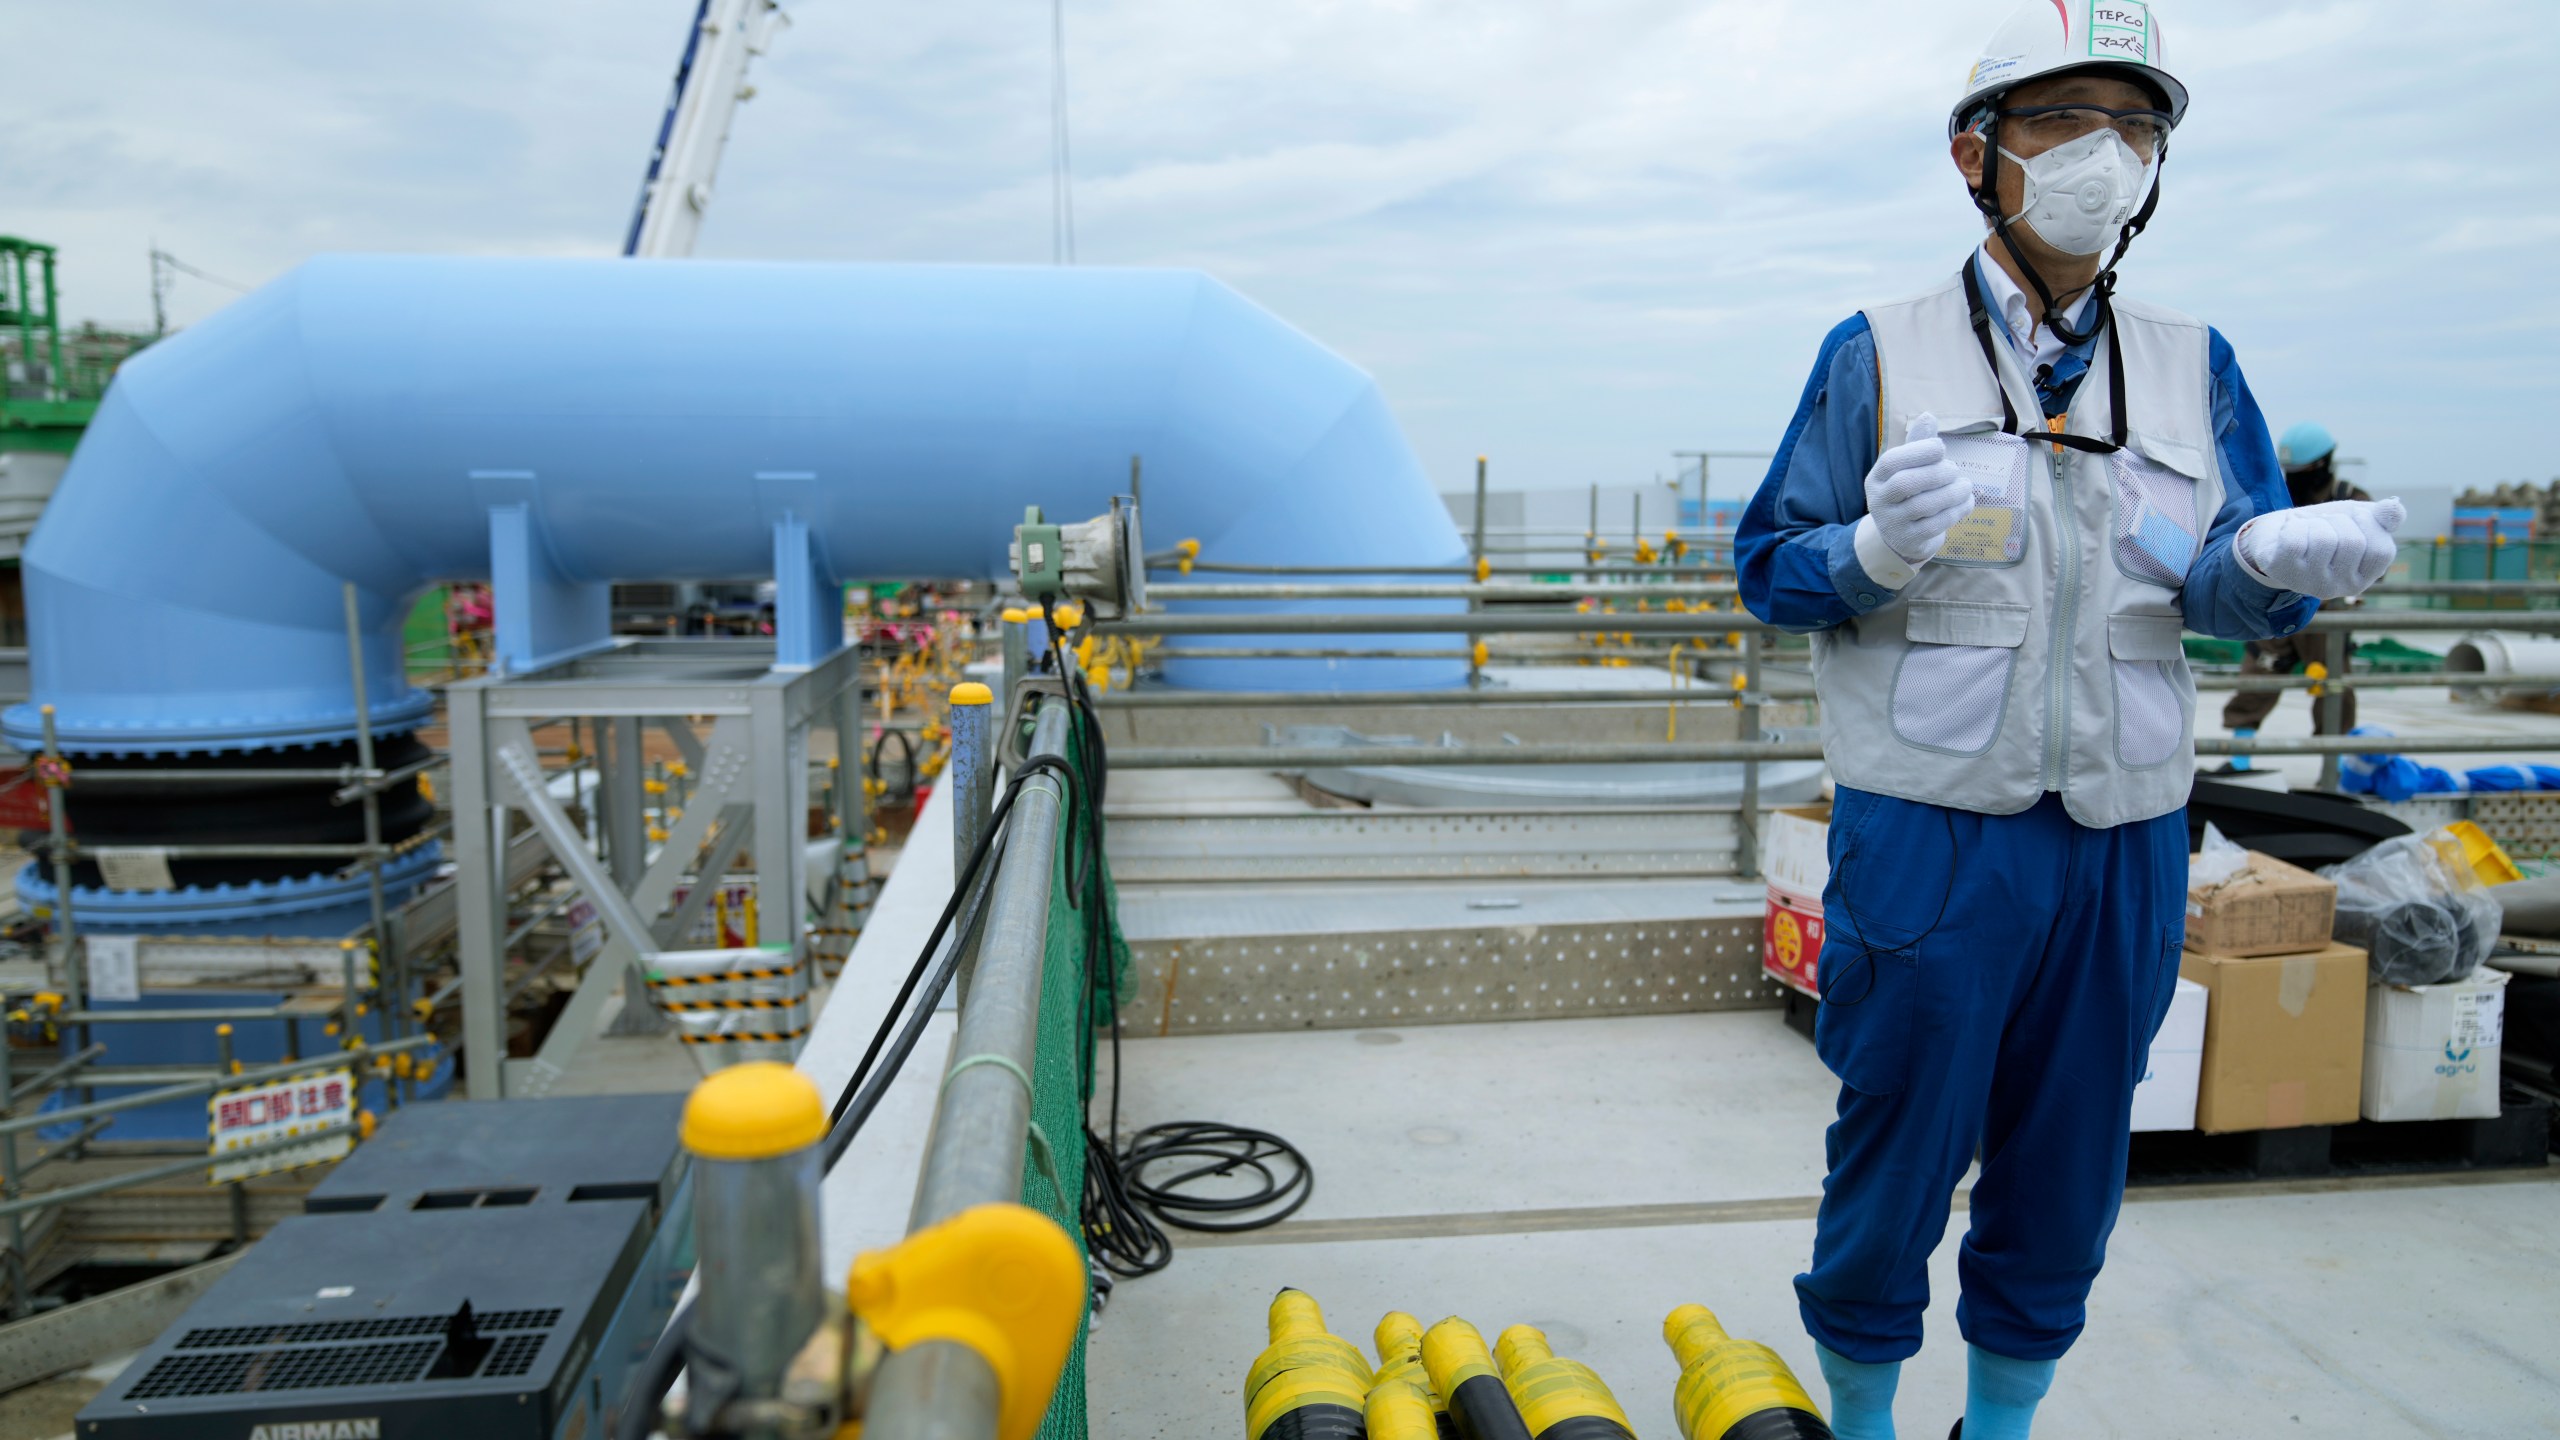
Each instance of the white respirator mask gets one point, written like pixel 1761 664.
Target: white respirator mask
pixel 2079 196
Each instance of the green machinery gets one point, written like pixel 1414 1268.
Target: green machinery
pixel 51 380
pixel 54 378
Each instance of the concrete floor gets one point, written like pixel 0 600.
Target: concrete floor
pixel 1589 1175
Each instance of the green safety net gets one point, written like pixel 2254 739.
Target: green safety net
pixel 1057 1078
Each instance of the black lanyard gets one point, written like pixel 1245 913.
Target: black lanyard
pixel 2106 320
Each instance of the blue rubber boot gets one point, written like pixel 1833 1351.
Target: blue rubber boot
pixel 1861 1395
pixel 2241 762
pixel 2001 1395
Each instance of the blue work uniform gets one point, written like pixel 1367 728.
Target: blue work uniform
pixel 1991 981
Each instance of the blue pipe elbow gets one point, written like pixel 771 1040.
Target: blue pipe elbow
pixel 360 418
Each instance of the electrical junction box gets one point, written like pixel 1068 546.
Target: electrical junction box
pixel 491 1269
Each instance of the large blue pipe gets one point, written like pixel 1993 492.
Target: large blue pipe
pixel 356 420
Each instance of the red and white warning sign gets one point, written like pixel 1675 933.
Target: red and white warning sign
pixel 319 1106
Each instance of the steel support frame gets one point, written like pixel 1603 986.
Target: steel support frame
pixel 751 778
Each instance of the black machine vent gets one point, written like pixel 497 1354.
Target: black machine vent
pixel 330 1354
pixel 234 1372
pixel 379 1328
pixel 514 1356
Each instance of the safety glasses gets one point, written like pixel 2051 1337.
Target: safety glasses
pixel 2046 126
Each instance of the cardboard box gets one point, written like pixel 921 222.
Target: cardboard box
pixel 1795 850
pixel 2268 908
pixel 1791 941
pixel 2166 1098
pixel 2283 1039
pixel 2431 1051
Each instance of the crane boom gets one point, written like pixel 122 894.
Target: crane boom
pixel 711 79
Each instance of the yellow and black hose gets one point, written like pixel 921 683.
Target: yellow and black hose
pixel 1462 1370
pixel 1400 1411
pixel 1308 1384
pixel 1399 1338
pixel 1735 1389
pixel 1559 1399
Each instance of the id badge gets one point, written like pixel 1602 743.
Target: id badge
pixel 1995 533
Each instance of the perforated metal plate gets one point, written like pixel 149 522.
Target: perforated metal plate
pixel 1463 844
pixel 2525 823
pixel 1445 976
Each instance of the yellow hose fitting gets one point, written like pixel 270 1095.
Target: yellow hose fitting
pixel 1725 1383
pixel 1556 1396
pixel 1462 1370
pixel 1484 569
pixel 1398 1411
pixel 1001 1279
pixel 1306 1372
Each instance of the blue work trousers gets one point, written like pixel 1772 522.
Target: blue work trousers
pixel 1991 984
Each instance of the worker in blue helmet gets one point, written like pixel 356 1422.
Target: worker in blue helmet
pixel 1997 507
pixel 2309 455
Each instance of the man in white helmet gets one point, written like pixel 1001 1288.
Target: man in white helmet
pixel 1997 507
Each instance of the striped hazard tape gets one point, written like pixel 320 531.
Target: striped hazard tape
pixel 769 1037
pixel 719 977
pixel 680 1007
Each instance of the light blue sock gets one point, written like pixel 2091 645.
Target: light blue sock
pixel 1861 1395
pixel 2001 1394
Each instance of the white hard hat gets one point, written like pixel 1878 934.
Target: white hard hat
pixel 2053 37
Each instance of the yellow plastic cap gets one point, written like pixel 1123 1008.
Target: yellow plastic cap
pixel 754 1111
pixel 970 692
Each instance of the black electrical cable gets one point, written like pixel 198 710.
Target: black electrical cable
pixel 856 1101
pixel 1123 1211
pixel 907 754
pixel 891 1046
pixel 1217 1152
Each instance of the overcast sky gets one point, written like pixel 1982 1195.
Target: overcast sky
pixel 1575 234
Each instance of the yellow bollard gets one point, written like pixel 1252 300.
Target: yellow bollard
pixel 1735 1389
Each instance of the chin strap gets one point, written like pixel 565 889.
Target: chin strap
pixel 2086 444
pixel 1986 198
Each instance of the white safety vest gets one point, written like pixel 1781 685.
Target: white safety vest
pixel 2040 651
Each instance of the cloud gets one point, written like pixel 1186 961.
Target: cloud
pixel 1576 236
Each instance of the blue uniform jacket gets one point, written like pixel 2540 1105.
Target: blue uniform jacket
pixel 1800 571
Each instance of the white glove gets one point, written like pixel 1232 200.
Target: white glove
pixel 2328 552
pixel 1915 495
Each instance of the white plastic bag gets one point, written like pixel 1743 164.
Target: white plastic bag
pixel 2218 861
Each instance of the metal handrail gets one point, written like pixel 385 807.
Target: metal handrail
pixel 1565 590
pixel 1716 622
pixel 1335 757
pixel 20 1124
pixel 108 1185
pixel 974 1153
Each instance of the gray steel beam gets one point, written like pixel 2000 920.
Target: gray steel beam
pixel 480 901
pixel 625 931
